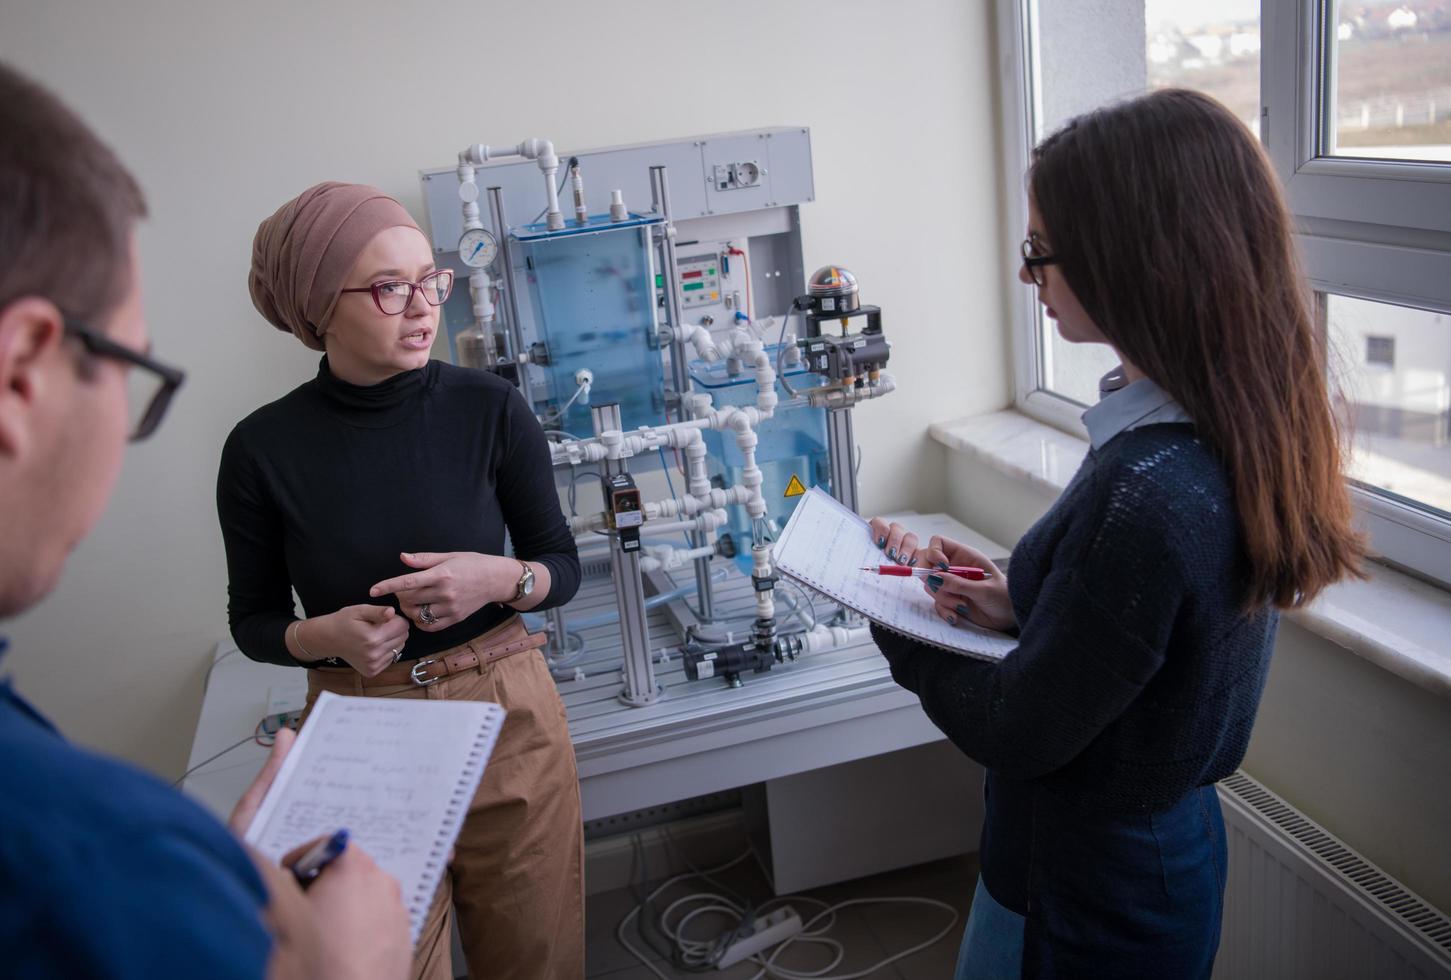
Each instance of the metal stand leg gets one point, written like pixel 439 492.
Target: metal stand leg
pixel 841 447
pixel 501 231
pixel 679 374
pixel 556 628
pixel 639 673
pixel 634 632
pixel 841 450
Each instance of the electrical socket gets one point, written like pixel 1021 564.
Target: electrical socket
pixel 770 930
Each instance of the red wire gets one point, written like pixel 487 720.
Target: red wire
pixel 750 307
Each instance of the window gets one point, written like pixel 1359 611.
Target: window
pixel 1075 57
pixel 1399 419
pixel 1380 351
pixel 1391 94
pixel 1353 103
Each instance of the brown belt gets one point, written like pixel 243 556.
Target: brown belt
pixel 502 641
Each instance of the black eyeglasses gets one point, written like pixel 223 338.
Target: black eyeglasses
pixel 1033 260
pixel 149 383
pixel 393 296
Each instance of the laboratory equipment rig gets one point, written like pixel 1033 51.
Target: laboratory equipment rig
pixel 661 326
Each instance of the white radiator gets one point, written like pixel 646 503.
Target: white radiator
pixel 1300 905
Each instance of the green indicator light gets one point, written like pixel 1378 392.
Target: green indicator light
pixel 692 285
pixel 711 271
pixel 659 281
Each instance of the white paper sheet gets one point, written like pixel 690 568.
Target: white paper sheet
pixel 398 774
pixel 824 547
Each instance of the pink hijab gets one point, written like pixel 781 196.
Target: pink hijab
pixel 303 254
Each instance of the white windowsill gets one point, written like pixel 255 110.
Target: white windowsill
pixel 1393 620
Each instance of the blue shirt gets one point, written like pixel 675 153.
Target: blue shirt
pixel 105 871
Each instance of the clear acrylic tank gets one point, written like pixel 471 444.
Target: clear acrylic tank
pixel 792 446
pixel 593 293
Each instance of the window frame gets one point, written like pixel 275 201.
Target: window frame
pixel 1017 83
pixel 1391 194
pixel 1373 229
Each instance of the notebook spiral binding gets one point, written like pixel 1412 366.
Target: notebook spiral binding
pixel 454 816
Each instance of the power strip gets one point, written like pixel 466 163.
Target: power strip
pixel 770 930
pixel 288 719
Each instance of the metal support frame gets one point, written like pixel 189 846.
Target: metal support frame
pixel 639 672
pixel 501 233
pixel 558 632
pixel 679 371
pixel 841 452
pixel 841 448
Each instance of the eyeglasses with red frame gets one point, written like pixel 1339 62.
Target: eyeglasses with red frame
pixel 392 296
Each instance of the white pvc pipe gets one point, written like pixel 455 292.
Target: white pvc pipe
pixel 669 559
pixel 480 287
pixel 699 337
pixel 829 637
pixel 477 154
pixel 714 498
pixel 761 568
pixel 584 524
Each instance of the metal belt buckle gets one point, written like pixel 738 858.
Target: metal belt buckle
pixel 416 677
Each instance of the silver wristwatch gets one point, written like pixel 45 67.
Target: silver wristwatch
pixel 525 584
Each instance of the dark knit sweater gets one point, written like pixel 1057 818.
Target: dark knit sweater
pixel 1138 673
pixel 322 489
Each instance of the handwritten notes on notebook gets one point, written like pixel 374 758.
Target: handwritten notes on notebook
pixel 825 546
pixel 399 774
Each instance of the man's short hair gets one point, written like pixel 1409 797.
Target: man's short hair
pixel 67 207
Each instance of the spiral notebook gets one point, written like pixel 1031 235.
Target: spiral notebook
pixel 824 547
pixel 398 773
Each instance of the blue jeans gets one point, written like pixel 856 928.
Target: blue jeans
pixel 992 943
pixel 1098 895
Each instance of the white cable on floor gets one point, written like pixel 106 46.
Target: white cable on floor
pixel 697 953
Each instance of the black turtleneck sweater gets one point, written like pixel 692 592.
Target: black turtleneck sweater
pixel 320 490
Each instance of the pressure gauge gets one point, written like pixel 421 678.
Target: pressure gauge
pixel 478 248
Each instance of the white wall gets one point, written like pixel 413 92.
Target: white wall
pixel 226 110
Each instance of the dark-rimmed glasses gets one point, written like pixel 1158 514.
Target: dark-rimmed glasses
pixel 1033 260
pixel 149 383
pixel 392 296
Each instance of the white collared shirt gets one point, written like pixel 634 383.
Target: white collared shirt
pixel 1123 406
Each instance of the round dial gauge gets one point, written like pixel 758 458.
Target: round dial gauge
pixel 478 248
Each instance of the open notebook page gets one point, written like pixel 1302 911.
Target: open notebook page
pixel 824 547
pixel 398 773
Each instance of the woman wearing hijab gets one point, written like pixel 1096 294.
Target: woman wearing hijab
pixel 381 491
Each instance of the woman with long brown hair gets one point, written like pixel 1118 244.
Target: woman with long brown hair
pixel 1146 600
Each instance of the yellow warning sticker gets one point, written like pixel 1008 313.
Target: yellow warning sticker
pixel 795 488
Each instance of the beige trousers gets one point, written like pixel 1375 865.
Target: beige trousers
pixel 517 876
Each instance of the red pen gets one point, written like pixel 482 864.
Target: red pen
pixel 961 571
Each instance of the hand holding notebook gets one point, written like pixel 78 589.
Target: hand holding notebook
pixel 397 774
pixel 825 546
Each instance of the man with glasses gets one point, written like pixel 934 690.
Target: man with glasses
pixel 105 871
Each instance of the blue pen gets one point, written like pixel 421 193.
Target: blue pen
pixel 319 856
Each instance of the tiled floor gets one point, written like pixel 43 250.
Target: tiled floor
pixel 869 933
